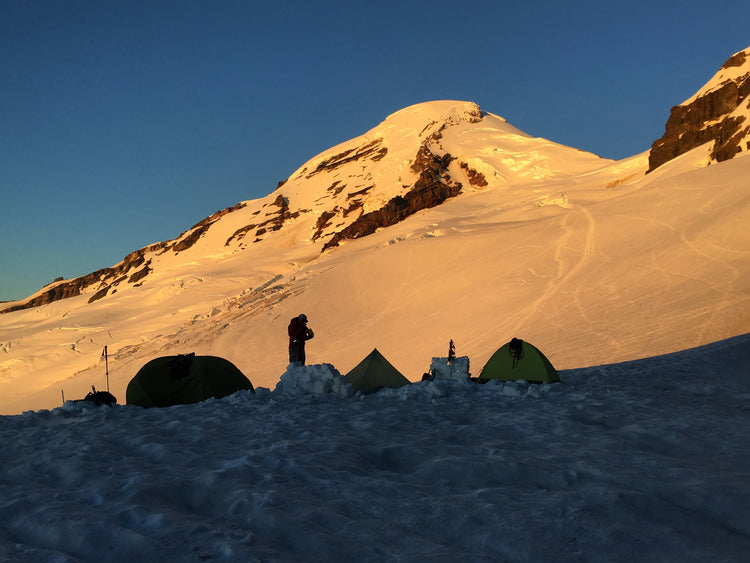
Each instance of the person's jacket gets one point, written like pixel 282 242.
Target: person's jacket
pixel 297 331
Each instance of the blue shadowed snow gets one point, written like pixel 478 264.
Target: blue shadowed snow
pixel 645 460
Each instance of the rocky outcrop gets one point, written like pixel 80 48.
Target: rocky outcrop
pixel 354 202
pixel 373 150
pixel 133 279
pixel 218 215
pixel 432 188
pixel 475 178
pixel 711 116
pixel 323 222
pixel 200 228
pixel 191 239
pixel 275 221
pixel 105 278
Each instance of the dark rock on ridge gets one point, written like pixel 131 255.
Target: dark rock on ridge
pixel 475 178
pixel 191 239
pixel 218 215
pixel 432 188
pixel 707 119
pixel 373 151
pixel 103 277
pixel 276 221
pixel 200 228
pixel 74 287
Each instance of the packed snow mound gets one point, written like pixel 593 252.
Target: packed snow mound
pixel 313 381
pixel 427 391
pixel 634 458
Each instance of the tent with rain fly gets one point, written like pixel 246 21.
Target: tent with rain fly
pixel 374 373
pixel 519 360
pixel 184 379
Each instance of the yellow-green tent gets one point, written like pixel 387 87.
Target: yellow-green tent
pixel 184 379
pixel 519 360
pixel 374 373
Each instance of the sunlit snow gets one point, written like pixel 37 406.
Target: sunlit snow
pixel 590 259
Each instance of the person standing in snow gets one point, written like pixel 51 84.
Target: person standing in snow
pixel 299 333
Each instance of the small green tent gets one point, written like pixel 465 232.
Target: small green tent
pixel 519 360
pixel 374 373
pixel 184 379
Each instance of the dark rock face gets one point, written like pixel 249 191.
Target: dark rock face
pixel 99 294
pixel 475 178
pixel 200 228
pixel 373 151
pixel 75 287
pixel 274 223
pixel 191 239
pixel 737 59
pixel 108 278
pixel 219 214
pixel 707 119
pixel 323 221
pixel 432 188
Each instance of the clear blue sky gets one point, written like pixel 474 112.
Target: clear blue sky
pixel 123 123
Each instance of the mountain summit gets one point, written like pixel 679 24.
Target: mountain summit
pixel 442 223
pixel 418 158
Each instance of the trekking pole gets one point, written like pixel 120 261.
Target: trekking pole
pixel 106 366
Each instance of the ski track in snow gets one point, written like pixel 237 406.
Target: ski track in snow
pixel 567 266
pixel 640 461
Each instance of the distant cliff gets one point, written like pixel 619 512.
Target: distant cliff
pixel 718 112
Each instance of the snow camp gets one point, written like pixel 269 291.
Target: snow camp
pixel 369 282
pixel 440 470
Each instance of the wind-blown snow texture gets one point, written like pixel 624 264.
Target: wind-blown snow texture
pixel 640 461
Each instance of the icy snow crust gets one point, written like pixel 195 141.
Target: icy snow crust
pixel 640 461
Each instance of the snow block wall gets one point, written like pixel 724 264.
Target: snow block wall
pixel 313 381
pixel 457 370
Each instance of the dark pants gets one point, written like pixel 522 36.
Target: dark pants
pixel 297 353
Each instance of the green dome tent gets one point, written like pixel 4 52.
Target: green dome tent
pixel 374 373
pixel 184 379
pixel 519 360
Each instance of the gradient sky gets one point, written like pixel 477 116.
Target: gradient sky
pixel 123 123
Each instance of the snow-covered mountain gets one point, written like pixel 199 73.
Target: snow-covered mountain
pixel 443 222
pixel 400 167
pixel 718 113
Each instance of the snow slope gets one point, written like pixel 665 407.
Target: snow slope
pixel 589 259
pixel 639 461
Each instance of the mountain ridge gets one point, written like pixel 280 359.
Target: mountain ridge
pixel 423 180
pixel 718 113
pixel 592 260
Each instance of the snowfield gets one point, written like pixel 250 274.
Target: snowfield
pixel 639 461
